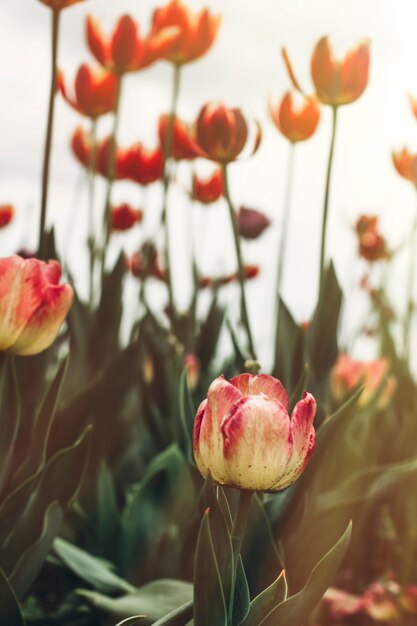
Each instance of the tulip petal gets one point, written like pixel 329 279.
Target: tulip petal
pixel 252 385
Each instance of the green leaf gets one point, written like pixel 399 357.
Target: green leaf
pixel 210 608
pixel 289 350
pixel 108 514
pixel 297 609
pixel 209 334
pixel 9 416
pixel 131 621
pixel 90 569
pixel 186 415
pixel 156 600
pixel 10 613
pixel 266 601
pixel 178 617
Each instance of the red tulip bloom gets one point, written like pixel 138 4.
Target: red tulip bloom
pixel 144 263
pixel 95 91
pixel 406 165
pixel 141 165
pixel 33 305
pixel 251 223
pixel 126 50
pixel 197 31
pixel 296 123
pixel 184 145
pixel 6 214
pixel 372 245
pixel 124 217
pixel 81 146
pixel 208 190
pixel 57 5
pixel 222 133
pixel 339 82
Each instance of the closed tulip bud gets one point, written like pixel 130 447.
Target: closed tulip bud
pixel 296 123
pixel 95 91
pixel 208 190
pixel 192 366
pixel 244 437
pixel 183 145
pixel 141 165
pixel 347 374
pixel 339 82
pixel 6 214
pixel 33 305
pixel 124 217
pixel 251 223
pixel 406 165
pixel 196 31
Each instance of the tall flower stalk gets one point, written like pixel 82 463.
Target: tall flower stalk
pixel 410 289
pixel 285 218
pixel 91 240
pixel 56 14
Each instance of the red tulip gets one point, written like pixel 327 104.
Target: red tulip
pixel 95 91
pixel 222 133
pixel 208 190
pixel 251 223
pixel 81 146
pixel 295 123
pixel 144 263
pixel 197 31
pixel 126 50
pixel 184 145
pixel 33 305
pixel 141 165
pixel 406 165
pixel 244 437
pixel 372 245
pixel 339 82
pixel 6 214
pixel 124 216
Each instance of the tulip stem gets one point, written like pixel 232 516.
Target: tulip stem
pixel 236 236
pixel 326 199
pixel 167 149
pixel 410 286
pixel 111 174
pixel 91 243
pixel 238 532
pixel 42 252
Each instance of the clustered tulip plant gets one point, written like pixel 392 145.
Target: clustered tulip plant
pixel 153 470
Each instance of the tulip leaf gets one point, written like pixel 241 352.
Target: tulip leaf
pixel 108 514
pixel 187 414
pixel 131 621
pixel 9 415
pixel 297 609
pixel 154 600
pixel 210 603
pixel 209 334
pixel 10 613
pixel 289 350
pixel 90 569
pixel 178 617
pixel 267 600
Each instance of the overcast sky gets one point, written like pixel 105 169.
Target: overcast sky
pixel 242 69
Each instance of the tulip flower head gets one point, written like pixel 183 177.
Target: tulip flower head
pixel 339 82
pixel 124 217
pixel 57 5
pixel 140 165
pixel 347 374
pixel 95 91
pixel 33 305
pixel 406 165
pixel 126 50
pixel 184 146
pixel 222 133
pixel 251 223
pixel 209 190
pixel 296 123
pixel 371 244
pixel 244 437
pixel 6 214
pixel 197 31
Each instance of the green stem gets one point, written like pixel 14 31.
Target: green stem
pixel 49 131
pixel 91 242
pixel 168 144
pixel 238 531
pixel 326 199
pixel 236 236
pixel 410 286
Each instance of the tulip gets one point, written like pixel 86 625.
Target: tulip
pixel 140 165
pixel 33 305
pixel 183 145
pixel 57 5
pixel 251 223
pixel 406 165
pixel 126 50
pixel 95 91
pixel 347 374
pixel 192 366
pixel 6 214
pixel 244 437
pixel 144 263
pixel 372 245
pixel 222 133
pixel 81 146
pixel 413 104
pixel 123 217
pixel 295 123
pixel 208 190
pixel 339 82
pixel 197 31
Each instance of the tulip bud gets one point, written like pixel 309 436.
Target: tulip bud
pixel 251 223
pixel 123 217
pixel 296 123
pixel 6 214
pixel 244 437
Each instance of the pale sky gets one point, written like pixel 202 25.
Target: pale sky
pixel 242 69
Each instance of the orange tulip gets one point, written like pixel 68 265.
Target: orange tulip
pixel 57 5
pixel 6 214
pixel 296 123
pixel 339 82
pixel 184 145
pixel 95 91
pixel 406 165
pixel 348 373
pixel 413 104
pixel 126 50
pixel 197 31
pixel 208 190
pixel 81 146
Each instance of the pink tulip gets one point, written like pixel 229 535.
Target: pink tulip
pixel 244 437
pixel 33 305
